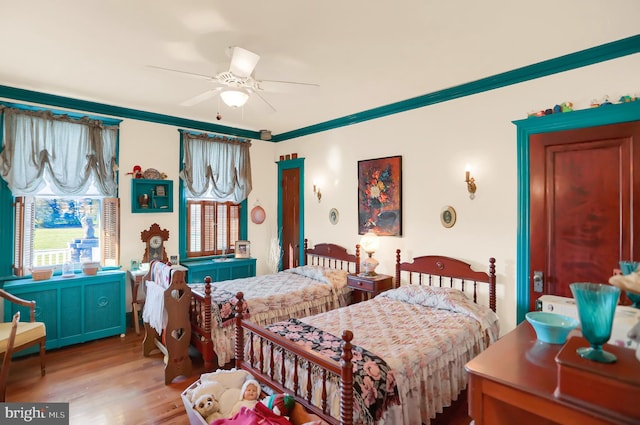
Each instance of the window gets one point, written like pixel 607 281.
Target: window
pixel 52 231
pixel 213 227
pixel 59 171
pixel 215 183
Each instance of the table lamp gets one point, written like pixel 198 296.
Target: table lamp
pixel 369 244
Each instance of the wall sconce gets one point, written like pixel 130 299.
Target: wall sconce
pixel 369 244
pixel 471 182
pixel 316 190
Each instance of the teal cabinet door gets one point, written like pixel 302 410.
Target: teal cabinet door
pixel 102 309
pixel 71 329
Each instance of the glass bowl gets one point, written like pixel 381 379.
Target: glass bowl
pixel 552 328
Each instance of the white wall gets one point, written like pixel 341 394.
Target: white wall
pixel 436 142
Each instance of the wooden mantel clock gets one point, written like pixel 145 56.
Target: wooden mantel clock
pixel 155 239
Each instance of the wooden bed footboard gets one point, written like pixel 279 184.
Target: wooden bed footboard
pixel 253 361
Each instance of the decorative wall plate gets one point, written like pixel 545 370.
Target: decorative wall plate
pixel 448 216
pixel 258 215
pixel 151 173
pixel 334 216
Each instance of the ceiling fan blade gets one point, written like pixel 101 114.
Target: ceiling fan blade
pixel 192 74
pixel 209 94
pixel 289 82
pixel 263 99
pixel 243 62
pixel 277 86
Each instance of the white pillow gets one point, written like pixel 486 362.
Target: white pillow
pixel 229 378
pixel 207 387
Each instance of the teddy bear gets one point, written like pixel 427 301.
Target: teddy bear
pixel 208 407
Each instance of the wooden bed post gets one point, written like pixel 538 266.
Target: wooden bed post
pixel 346 380
pixel 397 283
pixel 357 258
pixel 492 287
pixel 208 353
pixel 240 306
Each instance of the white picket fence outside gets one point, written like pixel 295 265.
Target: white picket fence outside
pixel 47 257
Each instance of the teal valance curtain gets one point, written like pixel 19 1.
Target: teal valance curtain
pixel 215 167
pixel 45 153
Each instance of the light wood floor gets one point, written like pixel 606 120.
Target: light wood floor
pixel 110 382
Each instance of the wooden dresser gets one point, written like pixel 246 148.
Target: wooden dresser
pixel 514 381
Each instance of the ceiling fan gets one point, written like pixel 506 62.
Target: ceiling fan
pixel 235 85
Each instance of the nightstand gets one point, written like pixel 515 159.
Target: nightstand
pixel 366 287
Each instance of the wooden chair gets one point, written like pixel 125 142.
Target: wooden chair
pixel 28 333
pixel 4 373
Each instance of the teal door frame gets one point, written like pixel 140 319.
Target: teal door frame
pixel 603 115
pixel 288 165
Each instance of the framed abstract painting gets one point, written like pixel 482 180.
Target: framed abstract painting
pixel 380 196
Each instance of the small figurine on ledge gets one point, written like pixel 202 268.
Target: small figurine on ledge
pixel 136 173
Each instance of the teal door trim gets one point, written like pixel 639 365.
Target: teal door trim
pixel 604 115
pixel 288 165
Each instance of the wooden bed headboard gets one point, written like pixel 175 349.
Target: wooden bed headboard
pixel 437 270
pixel 333 256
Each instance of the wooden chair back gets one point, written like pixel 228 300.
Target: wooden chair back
pixel 37 330
pixel 6 361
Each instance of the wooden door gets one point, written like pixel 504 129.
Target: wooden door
pixel 290 190
pixel 583 185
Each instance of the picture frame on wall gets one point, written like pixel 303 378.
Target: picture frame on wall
pixel 243 249
pixel 160 190
pixel 448 216
pixel 380 196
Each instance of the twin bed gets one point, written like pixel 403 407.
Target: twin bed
pixel 318 286
pixel 401 356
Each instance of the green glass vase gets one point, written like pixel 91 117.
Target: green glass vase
pixel 596 307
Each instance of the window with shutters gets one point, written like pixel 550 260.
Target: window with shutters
pixel 60 172
pixel 51 231
pixel 213 227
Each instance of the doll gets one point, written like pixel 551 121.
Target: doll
pixel 249 395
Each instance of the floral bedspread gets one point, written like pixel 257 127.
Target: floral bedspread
pixel 275 291
pixel 374 383
pixel 425 341
pixel 223 304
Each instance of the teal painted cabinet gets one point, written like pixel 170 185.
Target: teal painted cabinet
pixel 74 310
pixel 231 268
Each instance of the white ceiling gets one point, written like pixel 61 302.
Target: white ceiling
pixel 362 53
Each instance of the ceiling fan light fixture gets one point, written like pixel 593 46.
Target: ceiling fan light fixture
pixel 234 97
